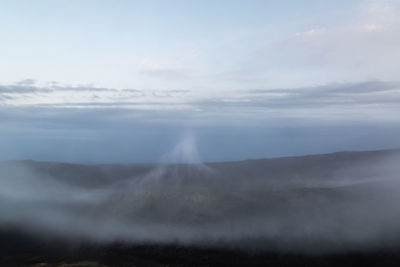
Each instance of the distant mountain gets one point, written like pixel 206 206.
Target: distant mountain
pixel 299 168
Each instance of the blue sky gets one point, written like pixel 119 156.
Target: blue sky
pixel 249 78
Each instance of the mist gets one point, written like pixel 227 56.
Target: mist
pixel 336 202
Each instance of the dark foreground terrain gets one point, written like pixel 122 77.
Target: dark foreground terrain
pixel 17 249
pixel 340 209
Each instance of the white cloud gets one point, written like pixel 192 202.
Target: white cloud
pixel 365 46
pixel 381 11
pixel 311 32
pixel 163 71
pixel 373 27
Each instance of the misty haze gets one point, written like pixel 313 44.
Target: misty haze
pixel 340 202
pixel 199 133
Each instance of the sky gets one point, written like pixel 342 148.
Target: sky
pixel 124 81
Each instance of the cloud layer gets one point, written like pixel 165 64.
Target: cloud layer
pixel 377 100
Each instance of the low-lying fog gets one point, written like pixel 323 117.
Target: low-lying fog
pixel 335 202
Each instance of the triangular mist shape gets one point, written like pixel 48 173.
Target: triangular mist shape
pixel 185 152
pixel 178 165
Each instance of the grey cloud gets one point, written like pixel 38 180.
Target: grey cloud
pixel 349 94
pixel 343 88
pixel 93 117
pixel 136 91
pixel 120 104
pixel 22 89
pixel 353 100
pixel 28 87
pixel 82 89
pixel 5 97
pixel 169 93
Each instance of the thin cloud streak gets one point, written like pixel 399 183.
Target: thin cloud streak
pixel 336 100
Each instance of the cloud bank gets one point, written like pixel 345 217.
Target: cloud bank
pixel 378 99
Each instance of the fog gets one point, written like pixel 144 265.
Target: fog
pixel 322 203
